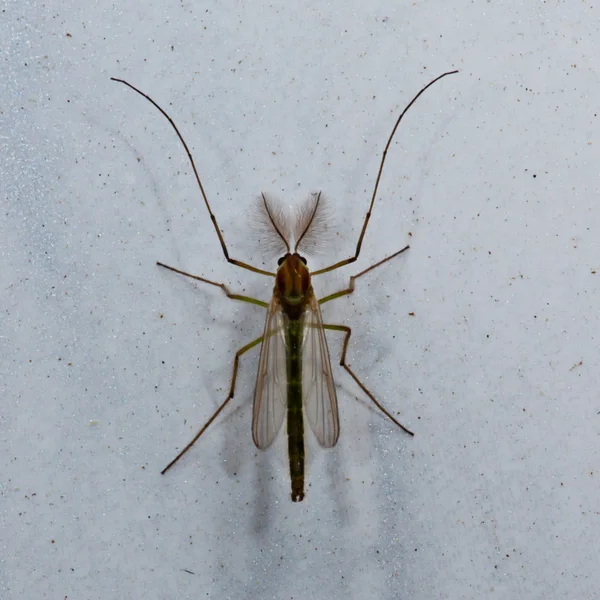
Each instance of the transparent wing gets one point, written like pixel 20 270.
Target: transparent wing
pixel 271 383
pixel 318 388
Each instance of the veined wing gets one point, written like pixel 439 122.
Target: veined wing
pixel 318 388
pixel 271 383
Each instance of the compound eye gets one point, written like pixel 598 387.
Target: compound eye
pixel 303 259
pixel 280 261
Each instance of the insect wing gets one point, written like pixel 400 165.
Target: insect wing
pixel 318 388
pixel 271 382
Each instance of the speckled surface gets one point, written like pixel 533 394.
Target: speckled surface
pixel 482 338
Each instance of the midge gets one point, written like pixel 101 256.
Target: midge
pixel 294 371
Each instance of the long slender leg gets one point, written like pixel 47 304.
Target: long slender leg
pixel 348 332
pixel 233 261
pixel 215 283
pixel 347 261
pixel 350 287
pixel 229 397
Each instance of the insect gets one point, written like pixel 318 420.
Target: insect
pixel 294 372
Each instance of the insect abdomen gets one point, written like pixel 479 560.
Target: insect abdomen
pixel 295 424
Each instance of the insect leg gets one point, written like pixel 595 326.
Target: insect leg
pixel 233 261
pixel 221 285
pixel 350 287
pixel 348 332
pixel 236 361
pixel 368 215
